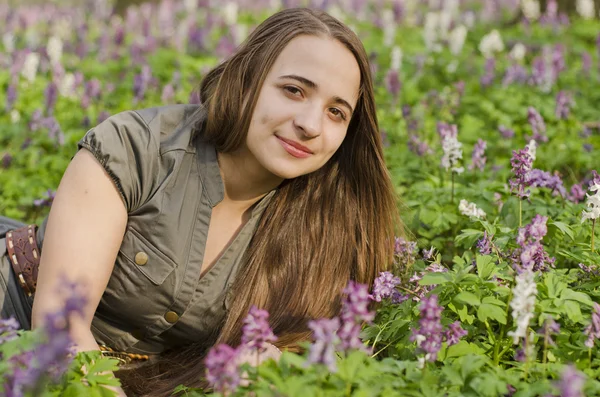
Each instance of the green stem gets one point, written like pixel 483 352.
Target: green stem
pixel 452 195
pixel 498 355
pixel 520 213
pixel 593 227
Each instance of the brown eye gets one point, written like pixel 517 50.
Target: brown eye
pixel 293 90
pixel 338 113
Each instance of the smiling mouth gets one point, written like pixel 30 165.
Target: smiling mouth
pixel 294 148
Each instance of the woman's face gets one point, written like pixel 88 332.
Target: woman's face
pixel 304 106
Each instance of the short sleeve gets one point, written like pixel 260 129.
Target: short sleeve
pixel 129 152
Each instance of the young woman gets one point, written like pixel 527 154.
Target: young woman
pixel 273 192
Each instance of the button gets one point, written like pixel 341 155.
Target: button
pixel 171 317
pixel 141 258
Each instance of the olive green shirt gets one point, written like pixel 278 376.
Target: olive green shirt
pixel 155 298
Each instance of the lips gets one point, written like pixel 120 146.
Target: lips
pixel 296 145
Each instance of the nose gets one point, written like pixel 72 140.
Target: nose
pixel 309 121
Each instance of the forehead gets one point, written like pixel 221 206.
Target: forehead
pixel 323 60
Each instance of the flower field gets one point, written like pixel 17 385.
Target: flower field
pixel 489 113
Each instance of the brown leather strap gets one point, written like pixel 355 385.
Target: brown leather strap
pixel 24 256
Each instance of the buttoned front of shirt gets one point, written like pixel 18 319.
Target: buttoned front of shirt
pixel 155 298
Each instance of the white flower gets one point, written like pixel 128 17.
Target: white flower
pixel 531 9
pixel 396 58
pixel 8 41
pixel 389 27
pixel 66 87
pixel 191 6
pixel 431 31
pixel 585 8
pixel 30 66
pixel 15 116
pixel 470 210
pixel 54 49
pixel 491 43
pixel 592 202
pixel 457 39
pixel 523 303
pixel 230 13
pixel 518 52
pixel 531 150
pixel 452 153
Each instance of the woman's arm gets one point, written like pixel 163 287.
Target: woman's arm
pixel 84 232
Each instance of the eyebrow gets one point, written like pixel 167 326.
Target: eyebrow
pixel 311 84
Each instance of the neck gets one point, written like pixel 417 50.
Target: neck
pixel 244 179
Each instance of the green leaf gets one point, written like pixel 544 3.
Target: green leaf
pixel 577 296
pixel 488 311
pixel 563 227
pixel 463 348
pixel 468 298
pixel 493 301
pixel 434 278
pixel 485 266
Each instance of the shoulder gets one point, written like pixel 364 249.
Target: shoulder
pixel 171 126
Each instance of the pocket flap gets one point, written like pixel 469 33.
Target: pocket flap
pixel 155 265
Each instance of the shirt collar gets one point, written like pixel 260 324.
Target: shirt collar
pixel 210 173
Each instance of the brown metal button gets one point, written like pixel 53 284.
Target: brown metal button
pixel 141 258
pixel 171 317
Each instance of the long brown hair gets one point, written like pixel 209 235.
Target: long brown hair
pixel 321 229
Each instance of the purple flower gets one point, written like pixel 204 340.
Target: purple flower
pixel 384 286
pixel 429 334
pixel 140 82
pixel 428 254
pixel 102 116
pixel 392 83
pixel 549 328
pixel 507 133
pixel 405 251
pixel 8 329
pixel 558 61
pixel 539 178
pixel 564 102
pixel 454 333
pixel 593 330
pixel 586 63
pixel 93 88
pixel 515 73
pixel 256 332
pixel 11 96
pixel 355 306
pixel 167 94
pixel 478 159
pixel 417 146
pixel 590 270
pixel 447 130
pixel 490 72
pixel 521 165
pixel 222 371
pixel 6 160
pixel 531 254
pixel 355 310
pixel 484 244
pixel 577 193
pixel 51 94
pixel 194 97
pixel 46 201
pixel 571 382
pixel 537 125
pixel 322 351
